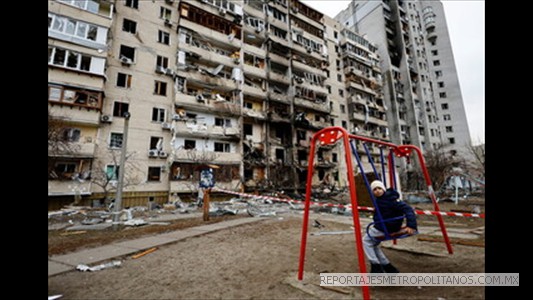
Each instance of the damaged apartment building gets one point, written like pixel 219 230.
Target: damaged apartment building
pixel 242 85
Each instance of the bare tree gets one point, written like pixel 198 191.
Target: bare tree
pixel 439 164
pixel 107 181
pixel 477 165
pixel 58 140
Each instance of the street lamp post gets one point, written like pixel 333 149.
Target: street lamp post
pixel 121 169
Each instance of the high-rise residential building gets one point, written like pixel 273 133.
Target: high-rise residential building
pixel 242 85
pixel 421 86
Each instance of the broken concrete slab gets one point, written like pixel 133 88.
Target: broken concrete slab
pixel 55 268
pixel 91 256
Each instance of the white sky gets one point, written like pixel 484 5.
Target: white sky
pixel 466 26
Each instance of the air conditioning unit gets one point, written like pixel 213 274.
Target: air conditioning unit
pixel 168 23
pixel 258 29
pixel 166 126
pixel 160 69
pixel 106 119
pixel 125 60
pixel 309 49
pixel 222 11
pixel 294 9
pixel 163 154
pixel 200 98
pixel 236 61
pixel 153 153
pixel 169 71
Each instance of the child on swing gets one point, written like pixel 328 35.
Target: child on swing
pixel 390 207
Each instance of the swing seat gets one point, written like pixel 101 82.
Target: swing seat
pixel 391 236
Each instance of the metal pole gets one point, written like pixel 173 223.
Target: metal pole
pixel 118 198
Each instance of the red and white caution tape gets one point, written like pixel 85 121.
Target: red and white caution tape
pixel 365 208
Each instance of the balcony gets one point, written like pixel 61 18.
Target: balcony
pixel 358 86
pixel 100 14
pixel 197 129
pixel 322 107
pixel 430 24
pixel 278 59
pixel 206 55
pixel 432 36
pixel 211 34
pixel 219 82
pixel 185 186
pixel 256 72
pixel 254 50
pixel 307 68
pixel 283 98
pixel 254 114
pixel 254 91
pixel 183 155
pixel 68 187
pixel 207 105
pixel 76 115
pixel 278 77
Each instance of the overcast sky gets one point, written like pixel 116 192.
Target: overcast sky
pixel 466 26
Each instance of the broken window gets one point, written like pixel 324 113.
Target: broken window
pixel 222 122
pixel 160 88
pixel 248 129
pixel 165 13
pixel 189 144
pixel 449 129
pixel 127 52
pixel 280 155
pixel 132 3
pixel 162 61
pixel 308 28
pixel 451 140
pixel 129 26
pixel 248 174
pixel 163 37
pixel 119 108
pixel 442 95
pixel 248 105
pixel 156 142
pixel 71 134
pixel 115 141
pixel 211 21
pixel 154 173
pixel 124 80
pixel 222 147
pixel 74 96
pixel 64 170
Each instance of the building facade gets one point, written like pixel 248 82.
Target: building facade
pixel 242 85
pixel 422 88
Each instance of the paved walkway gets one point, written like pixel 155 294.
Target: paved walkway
pixel 64 263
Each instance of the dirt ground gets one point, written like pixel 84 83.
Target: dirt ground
pixel 260 261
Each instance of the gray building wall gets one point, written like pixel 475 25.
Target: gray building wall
pixel 425 95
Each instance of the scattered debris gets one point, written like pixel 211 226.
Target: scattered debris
pixel 84 268
pixel 135 222
pixel 92 221
pixel 144 253
pixel 317 224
